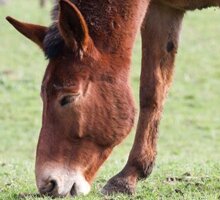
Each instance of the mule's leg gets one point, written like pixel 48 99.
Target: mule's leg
pixel 160 32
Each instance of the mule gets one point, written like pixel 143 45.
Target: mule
pixel 88 107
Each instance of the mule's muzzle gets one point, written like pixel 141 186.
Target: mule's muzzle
pixel 61 183
pixel 52 189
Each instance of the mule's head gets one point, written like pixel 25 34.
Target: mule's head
pixel 85 112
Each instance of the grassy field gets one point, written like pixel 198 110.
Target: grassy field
pixel 188 162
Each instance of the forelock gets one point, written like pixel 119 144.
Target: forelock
pixel 53 42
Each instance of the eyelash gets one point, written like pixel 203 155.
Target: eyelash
pixel 66 100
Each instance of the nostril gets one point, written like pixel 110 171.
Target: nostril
pixel 49 188
pixel 73 190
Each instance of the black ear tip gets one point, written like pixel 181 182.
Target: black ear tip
pixel 8 18
pixel 11 20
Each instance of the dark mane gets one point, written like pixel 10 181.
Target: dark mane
pixel 53 42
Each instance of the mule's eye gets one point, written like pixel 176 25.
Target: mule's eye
pixel 67 99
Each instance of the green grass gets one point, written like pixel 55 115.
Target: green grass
pixel 189 132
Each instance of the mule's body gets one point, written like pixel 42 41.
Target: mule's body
pixel 88 106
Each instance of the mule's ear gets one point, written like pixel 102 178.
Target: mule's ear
pixel 36 33
pixel 72 26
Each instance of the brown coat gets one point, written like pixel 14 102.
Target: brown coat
pixel 88 106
